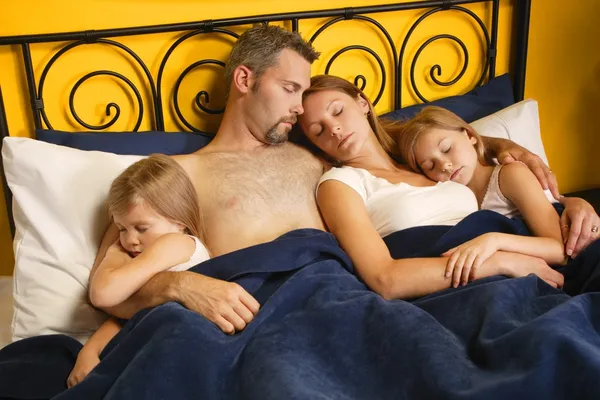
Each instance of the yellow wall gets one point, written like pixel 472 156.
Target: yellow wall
pixel 563 74
pixel 30 16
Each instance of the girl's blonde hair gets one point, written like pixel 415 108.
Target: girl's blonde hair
pixel 408 132
pixel 321 83
pixel 163 184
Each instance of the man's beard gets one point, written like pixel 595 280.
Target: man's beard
pixel 275 137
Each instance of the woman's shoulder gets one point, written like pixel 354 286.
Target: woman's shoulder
pixel 353 177
pixel 343 173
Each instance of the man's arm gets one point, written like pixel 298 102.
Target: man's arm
pixel 226 304
pixel 507 151
pixel 160 289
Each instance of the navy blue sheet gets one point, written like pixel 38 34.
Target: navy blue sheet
pixel 321 334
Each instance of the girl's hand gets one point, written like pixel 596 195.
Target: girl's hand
pixel 469 256
pixel 86 361
pixel 518 265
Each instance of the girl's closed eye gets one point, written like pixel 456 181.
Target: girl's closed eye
pixel 338 111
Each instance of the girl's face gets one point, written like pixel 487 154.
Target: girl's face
pixel 336 123
pixel 141 225
pixel 445 155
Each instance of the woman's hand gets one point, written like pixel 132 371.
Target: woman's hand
pixel 468 257
pixel 86 361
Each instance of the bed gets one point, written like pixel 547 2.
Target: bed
pixel 320 333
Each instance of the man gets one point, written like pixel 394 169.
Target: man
pixel 253 185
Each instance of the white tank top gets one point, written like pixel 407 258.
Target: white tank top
pixel 394 207
pixel 494 200
pixel 200 254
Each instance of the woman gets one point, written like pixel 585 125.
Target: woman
pixel 373 194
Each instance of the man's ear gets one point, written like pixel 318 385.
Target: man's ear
pixel 243 78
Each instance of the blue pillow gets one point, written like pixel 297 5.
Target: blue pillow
pixel 132 143
pixel 478 103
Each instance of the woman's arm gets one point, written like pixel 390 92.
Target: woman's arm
pixel 347 218
pixel 119 276
pixel 520 186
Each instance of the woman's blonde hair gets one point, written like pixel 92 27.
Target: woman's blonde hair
pixel 321 83
pixel 431 117
pixel 163 184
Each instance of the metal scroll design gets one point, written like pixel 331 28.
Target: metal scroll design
pixel 436 70
pixel 110 107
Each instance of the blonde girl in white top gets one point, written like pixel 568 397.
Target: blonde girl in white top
pixel 439 144
pixel 155 207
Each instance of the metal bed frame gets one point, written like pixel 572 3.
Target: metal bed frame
pixel 392 80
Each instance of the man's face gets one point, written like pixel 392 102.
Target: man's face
pixel 274 102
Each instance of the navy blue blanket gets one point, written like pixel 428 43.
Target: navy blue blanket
pixel 321 334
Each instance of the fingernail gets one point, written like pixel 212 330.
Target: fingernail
pixel 569 252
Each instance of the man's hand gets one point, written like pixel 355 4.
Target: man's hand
pixel 507 151
pixel 579 225
pixel 226 304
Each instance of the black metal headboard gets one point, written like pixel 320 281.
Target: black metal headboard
pixel 390 80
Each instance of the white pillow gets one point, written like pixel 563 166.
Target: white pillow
pixel 519 122
pixel 60 218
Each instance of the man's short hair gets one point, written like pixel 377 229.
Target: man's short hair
pixel 259 48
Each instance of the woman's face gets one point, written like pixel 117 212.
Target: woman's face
pixel 336 123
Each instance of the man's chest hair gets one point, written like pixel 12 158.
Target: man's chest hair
pixel 276 177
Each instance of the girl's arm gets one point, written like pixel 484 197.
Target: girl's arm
pixel 119 276
pixel 519 185
pixel 89 355
pixel 101 337
pixel 507 152
pixel 347 218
